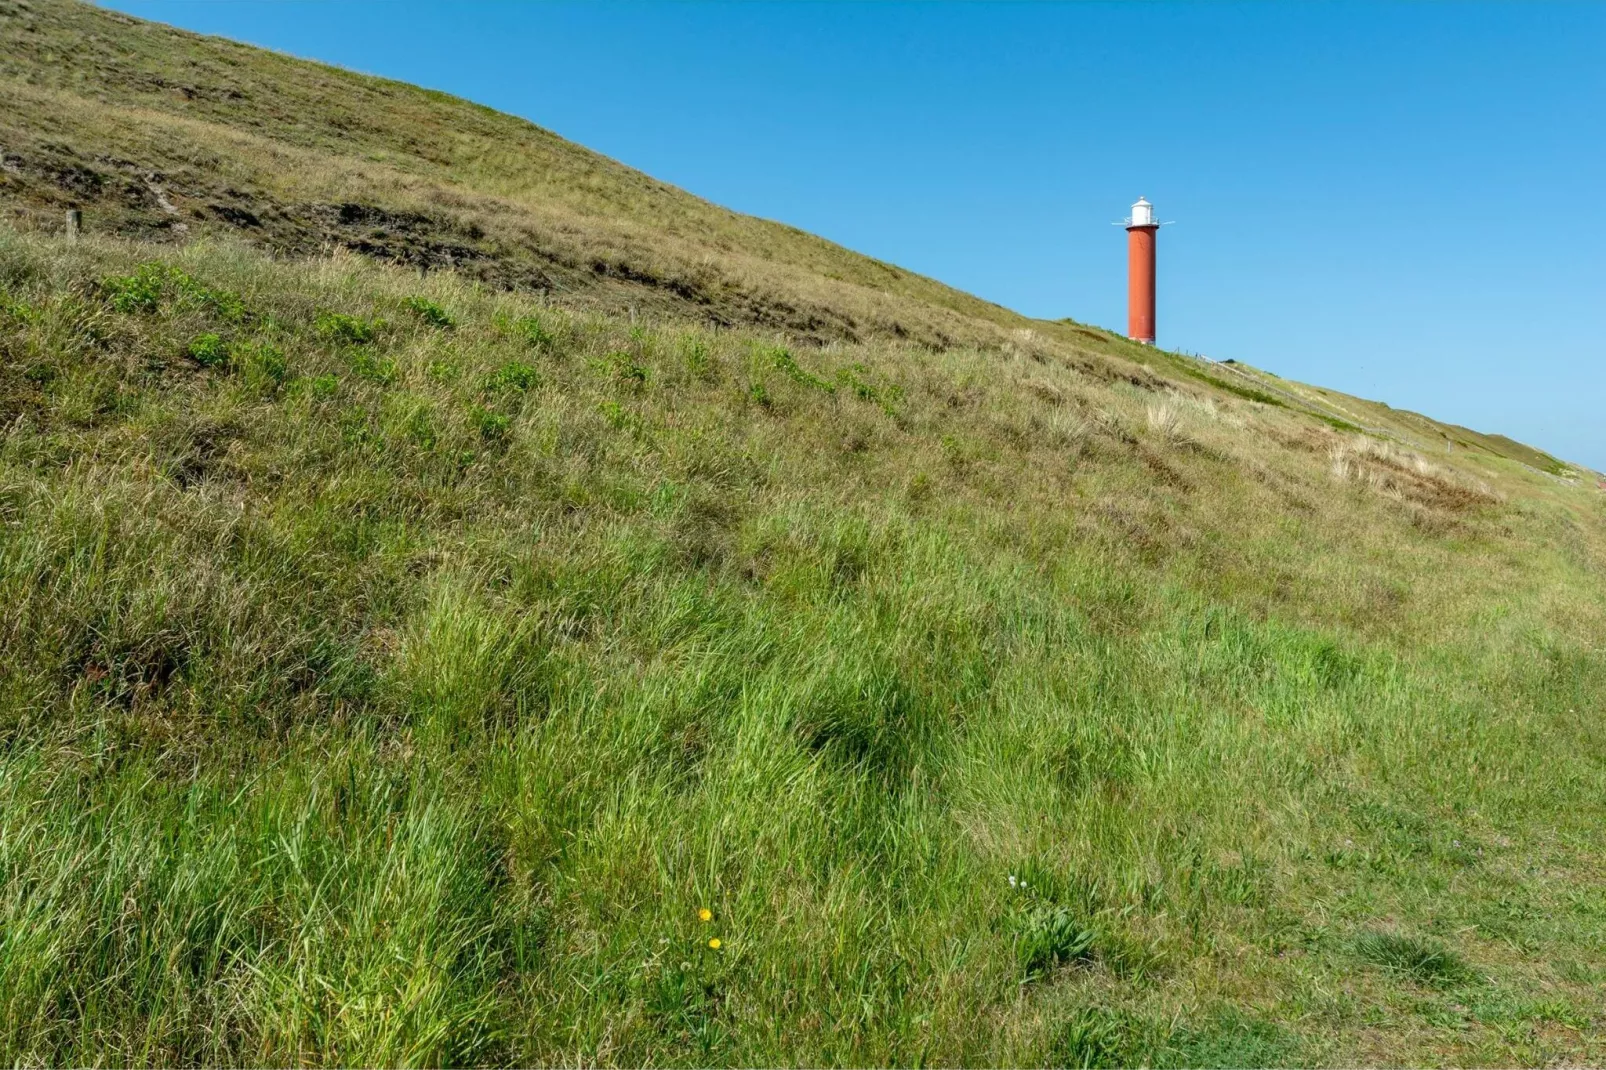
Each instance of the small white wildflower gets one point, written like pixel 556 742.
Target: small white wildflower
pixel 1012 880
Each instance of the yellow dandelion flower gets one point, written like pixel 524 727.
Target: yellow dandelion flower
pixel 714 943
pixel 705 914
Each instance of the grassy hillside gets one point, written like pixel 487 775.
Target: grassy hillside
pixel 168 136
pixel 396 666
pixel 165 134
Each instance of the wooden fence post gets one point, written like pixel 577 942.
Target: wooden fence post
pixel 75 223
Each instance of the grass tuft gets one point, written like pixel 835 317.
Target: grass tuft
pixel 1416 957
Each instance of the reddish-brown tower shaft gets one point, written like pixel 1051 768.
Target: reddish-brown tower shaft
pixel 1140 282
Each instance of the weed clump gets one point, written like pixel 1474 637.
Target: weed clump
pixel 782 360
pixel 209 350
pixel 323 387
pixel 1048 936
pixel 1048 921
pixel 344 329
pixel 153 285
pixel 19 311
pixel 494 427
pixel 139 292
pixel 534 333
pixel 1416 957
pixel 375 369
pixel 855 377
pixel 430 312
pixel 515 376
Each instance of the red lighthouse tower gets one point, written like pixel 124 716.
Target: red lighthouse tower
pixel 1140 231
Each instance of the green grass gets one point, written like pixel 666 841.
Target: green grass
pixel 170 137
pixel 398 658
pixel 383 693
pixel 1424 960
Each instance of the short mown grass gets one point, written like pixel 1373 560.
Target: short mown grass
pixel 384 691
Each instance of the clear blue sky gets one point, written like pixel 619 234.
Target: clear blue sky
pixel 1401 201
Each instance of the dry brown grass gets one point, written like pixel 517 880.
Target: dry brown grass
pixel 1393 470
